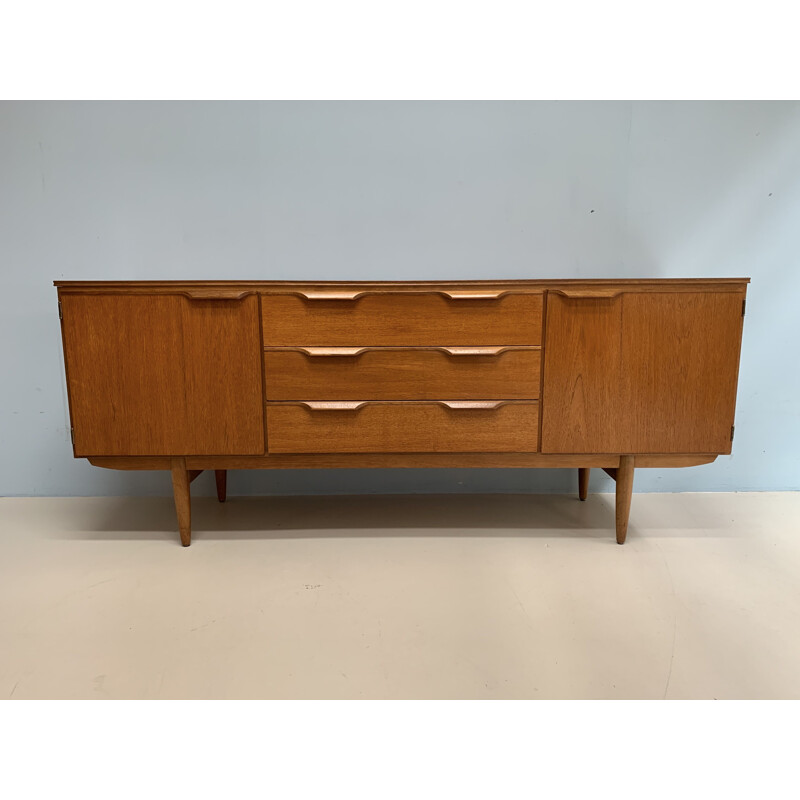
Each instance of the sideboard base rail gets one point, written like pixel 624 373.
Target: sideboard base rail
pixel 405 461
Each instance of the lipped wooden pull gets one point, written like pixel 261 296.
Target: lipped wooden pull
pixel 474 351
pixel 587 294
pixel 472 405
pixel 349 352
pixel 340 352
pixel 217 294
pixel 355 405
pixel 339 405
pixel 474 294
pixel 331 295
pixel 348 295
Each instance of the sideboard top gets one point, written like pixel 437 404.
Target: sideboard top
pixel 288 286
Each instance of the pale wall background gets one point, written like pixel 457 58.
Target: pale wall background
pixel 397 191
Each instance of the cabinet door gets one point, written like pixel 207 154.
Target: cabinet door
pixel 163 375
pixel 641 372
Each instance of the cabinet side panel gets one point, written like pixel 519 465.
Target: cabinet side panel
pixel 123 356
pixel 582 361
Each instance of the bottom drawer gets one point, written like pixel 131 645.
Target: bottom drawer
pixel 510 426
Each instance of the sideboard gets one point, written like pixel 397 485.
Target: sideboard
pixel 189 376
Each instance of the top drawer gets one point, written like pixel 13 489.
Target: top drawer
pixel 409 319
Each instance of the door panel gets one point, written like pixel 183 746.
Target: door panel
pixel 163 375
pixel 641 372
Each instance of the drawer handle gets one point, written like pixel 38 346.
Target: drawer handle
pixel 349 352
pixel 474 351
pixel 340 405
pixel 355 405
pixel 588 294
pixel 472 405
pixel 217 294
pixel 474 294
pixel 341 295
pixel 356 294
pixel 318 352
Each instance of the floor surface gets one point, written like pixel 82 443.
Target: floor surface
pixel 498 596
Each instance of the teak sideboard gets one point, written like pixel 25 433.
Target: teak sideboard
pixel 189 376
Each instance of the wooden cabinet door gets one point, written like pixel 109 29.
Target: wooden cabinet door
pixel 641 372
pixel 163 374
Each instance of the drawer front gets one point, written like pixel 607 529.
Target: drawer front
pixel 459 373
pixel 405 319
pixel 387 427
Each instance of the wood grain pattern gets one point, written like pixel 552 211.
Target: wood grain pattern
pixel 402 374
pixel 222 376
pixel 383 427
pixel 163 375
pixel 409 320
pixel 680 361
pixel 582 364
pixel 641 372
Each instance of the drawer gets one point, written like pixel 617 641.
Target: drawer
pixel 459 373
pixel 452 317
pixel 398 427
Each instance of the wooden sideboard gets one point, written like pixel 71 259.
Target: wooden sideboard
pixel 189 376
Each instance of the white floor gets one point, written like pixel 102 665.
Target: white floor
pixel 401 597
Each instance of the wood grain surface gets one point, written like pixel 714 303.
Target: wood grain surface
pixel 403 374
pixel 163 375
pixel 419 427
pixel 405 319
pixel 641 372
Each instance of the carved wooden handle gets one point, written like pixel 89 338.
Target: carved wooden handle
pixel 587 294
pixel 357 294
pixel 355 405
pixel 342 352
pixel 472 405
pixel 474 351
pixel 339 405
pixel 318 352
pixel 307 294
pixel 217 294
pixel 474 294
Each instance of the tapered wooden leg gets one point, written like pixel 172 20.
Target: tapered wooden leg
pixel 222 484
pixel 624 476
pixel 583 482
pixel 183 506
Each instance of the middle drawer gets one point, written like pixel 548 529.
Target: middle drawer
pixel 386 373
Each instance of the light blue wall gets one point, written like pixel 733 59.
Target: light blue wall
pixel 397 191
